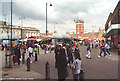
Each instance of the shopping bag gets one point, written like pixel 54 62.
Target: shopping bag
pixel 14 59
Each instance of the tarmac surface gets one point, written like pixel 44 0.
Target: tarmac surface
pixel 94 68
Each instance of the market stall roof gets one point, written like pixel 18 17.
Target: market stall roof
pixel 45 39
pixel 38 40
pixel 23 40
pixel 60 35
pixel 5 36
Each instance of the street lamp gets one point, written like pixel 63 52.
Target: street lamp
pixel 46 19
pixel 93 31
pixel 54 27
pixel 21 18
pixel 10 61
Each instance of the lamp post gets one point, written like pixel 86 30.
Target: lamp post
pixel 10 61
pixel 21 18
pixel 54 27
pixel 46 19
pixel 93 31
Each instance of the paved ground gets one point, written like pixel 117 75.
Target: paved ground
pixel 95 68
pixel 16 72
pixel 20 72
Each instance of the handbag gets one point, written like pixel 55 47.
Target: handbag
pixel 107 47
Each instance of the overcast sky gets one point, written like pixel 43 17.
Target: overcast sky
pixel 94 13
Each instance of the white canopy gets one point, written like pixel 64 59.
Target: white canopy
pixel 25 40
pixel 38 40
pixel 60 35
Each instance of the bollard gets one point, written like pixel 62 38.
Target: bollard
pixel 23 58
pixel 28 64
pixel 47 69
pixel 45 50
pixel 50 50
pixel 10 61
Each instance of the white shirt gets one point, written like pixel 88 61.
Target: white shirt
pixel 30 50
pixel 76 66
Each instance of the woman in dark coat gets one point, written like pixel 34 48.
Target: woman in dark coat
pixel 61 65
pixel 17 53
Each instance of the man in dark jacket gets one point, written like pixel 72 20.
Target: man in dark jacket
pixel 70 56
pixel 88 46
pixel 57 51
pixel 17 53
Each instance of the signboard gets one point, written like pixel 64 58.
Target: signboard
pixel 8 42
pixel 53 41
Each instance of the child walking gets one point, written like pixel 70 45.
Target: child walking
pixel 76 67
pixel 88 55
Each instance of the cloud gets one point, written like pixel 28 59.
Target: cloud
pixel 27 11
pixel 63 12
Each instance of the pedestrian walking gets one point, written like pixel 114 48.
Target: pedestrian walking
pixel 77 49
pixel 50 47
pixel 102 48
pixel 70 56
pixel 88 46
pixel 2 47
pixel 5 47
pixel 92 44
pixel 67 48
pixel 17 54
pixel 25 48
pixel 30 51
pixel 76 67
pixel 57 51
pixel 36 53
pixel 61 65
pixel 107 48
pixel 88 54
pixel 96 44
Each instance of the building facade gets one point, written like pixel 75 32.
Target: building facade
pixel 21 32
pixel 43 35
pixel 112 27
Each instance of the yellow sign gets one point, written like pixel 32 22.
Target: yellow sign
pixel 13 43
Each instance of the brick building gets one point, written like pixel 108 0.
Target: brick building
pixel 90 35
pixel 79 26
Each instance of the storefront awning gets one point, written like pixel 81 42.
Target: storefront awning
pixel 113 30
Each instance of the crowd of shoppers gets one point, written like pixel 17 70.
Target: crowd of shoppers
pixel 30 51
